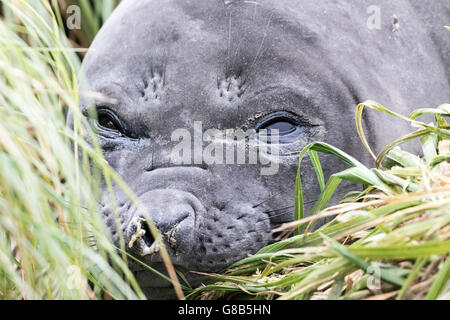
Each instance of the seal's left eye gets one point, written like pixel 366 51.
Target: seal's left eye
pixel 285 126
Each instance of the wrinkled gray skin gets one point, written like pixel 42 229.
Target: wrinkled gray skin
pixel 169 63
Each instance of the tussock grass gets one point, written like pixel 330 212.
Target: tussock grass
pixel 48 199
pixel 94 15
pixel 391 241
pixel 53 240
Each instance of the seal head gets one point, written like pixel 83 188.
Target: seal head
pixel 178 72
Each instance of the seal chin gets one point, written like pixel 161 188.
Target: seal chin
pixel 149 279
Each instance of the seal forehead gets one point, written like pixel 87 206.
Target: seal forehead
pixel 150 28
pixel 206 51
pixel 193 55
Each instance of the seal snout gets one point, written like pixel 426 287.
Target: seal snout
pixel 173 213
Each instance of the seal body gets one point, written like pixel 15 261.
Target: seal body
pixel 178 70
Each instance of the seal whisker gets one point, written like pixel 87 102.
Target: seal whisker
pixel 266 200
pixel 258 53
pixel 279 215
pixel 278 225
pixel 228 67
pixel 280 209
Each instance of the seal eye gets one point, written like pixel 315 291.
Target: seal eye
pixel 283 127
pixel 288 128
pixel 108 123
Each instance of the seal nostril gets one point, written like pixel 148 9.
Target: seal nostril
pixel 148 238
pixel 141 239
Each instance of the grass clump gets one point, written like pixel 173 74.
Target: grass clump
pixel 390 241
pixel 53 240
pixel 49 177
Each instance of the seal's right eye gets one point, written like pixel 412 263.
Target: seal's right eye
pixel 108 123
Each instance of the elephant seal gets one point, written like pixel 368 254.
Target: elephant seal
pixel 294 67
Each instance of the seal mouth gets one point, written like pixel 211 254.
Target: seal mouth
pixel 198 236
